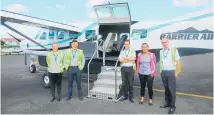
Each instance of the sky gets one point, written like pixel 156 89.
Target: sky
pixel 71 11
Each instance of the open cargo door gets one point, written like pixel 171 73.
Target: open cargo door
pixel 113 14
pixel 115 19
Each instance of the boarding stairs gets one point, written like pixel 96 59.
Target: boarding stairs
pixel 107 85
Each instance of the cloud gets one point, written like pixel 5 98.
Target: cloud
pixel 89 5
pixel 190 2
pixel 16 8
pixel 60 6
pixel 57 6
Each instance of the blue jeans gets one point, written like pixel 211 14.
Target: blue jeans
pixel 74 72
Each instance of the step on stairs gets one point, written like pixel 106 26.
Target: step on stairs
pixel 104 86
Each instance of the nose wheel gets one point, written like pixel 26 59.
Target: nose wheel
pixel 32 68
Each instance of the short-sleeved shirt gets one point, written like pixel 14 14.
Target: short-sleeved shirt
pixel 145 65
pixel 127 53
pixel 55 63
pixel 167 59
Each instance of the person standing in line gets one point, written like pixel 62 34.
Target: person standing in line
pixel 146 70
pixel 75 62
pixel 170 67
pixel 127 59
pixel 55 70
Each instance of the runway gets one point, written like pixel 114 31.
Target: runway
pixel 22 92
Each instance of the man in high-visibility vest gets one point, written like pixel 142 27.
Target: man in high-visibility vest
pixel 169 69
pixel 127 59
pixel 55 69
pixel 75 62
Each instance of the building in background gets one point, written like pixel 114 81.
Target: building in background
pixel 11 41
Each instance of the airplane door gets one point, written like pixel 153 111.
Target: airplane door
pixel 109 14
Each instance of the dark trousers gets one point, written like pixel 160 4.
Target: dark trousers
pixel 169 81
pixel 55 79
pixel 74 73
pixel 127 74
pixel 146 79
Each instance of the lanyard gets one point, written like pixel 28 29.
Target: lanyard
pixel 55 57
pixel 127 53
pixel 74 54
pixel 164 56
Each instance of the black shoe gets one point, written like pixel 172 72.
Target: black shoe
pixel 68 98
pixel 58 99
pixel 80 98
pixel 52 99
pixel 164 106
pixel 131 100
pixel 171 110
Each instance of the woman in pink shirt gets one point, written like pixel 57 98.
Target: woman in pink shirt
pixel 146 70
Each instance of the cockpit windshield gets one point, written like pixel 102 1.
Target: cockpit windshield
pixel 38 34
pixel 90 35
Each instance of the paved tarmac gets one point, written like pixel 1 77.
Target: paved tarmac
pixel 22 92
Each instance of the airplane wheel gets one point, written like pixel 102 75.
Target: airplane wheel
pixel 46 80
pixel 32 68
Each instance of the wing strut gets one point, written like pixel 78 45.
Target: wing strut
pixel 14 37
pixel 14 30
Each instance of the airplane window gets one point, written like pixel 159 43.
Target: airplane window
pixel 103 12
pixel 139 34
pixel 90 34
pixel 51 35
pixel 121 11
pixel 73 35
pixel 43 36
pixel 60 35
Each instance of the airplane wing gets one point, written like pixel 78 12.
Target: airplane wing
pixel 7 16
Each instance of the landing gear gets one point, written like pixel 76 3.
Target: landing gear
pixel 32 68
pixel 45 80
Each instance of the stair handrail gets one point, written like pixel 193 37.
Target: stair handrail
pixel 115 69
pixel 101 41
